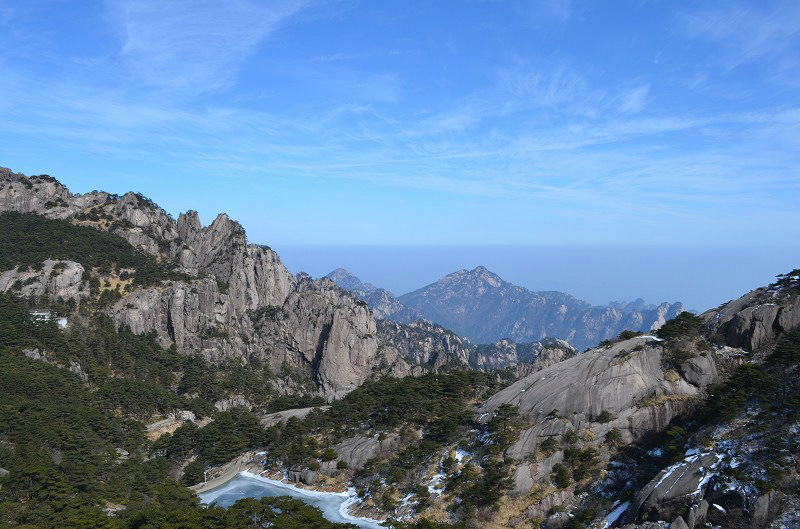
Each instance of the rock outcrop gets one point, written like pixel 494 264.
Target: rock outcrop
pixel 426 345
pixel 271 419
pixel 57 279
pixel 674 491
pixel 623 387
pixel 422 343
pixel 755 321
pixel 525 358
pixel 356 451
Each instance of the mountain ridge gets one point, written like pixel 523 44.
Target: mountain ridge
pixel 228 300
pixel 484 308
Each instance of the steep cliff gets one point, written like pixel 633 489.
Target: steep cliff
pixel 728 412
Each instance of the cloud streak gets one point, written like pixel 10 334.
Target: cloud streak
pixel 537 137
pixel 748 32
pixel 194 45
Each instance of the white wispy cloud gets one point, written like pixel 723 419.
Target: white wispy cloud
pixel 621 162
pixel 544 12
pixel 546 133
pixel 197 45
pixel 747 32
pixel 634 100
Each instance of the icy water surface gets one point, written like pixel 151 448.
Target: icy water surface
pixel 245 485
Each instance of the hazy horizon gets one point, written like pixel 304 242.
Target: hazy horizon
pixel 535 122
pixel 457 126
pixel 700 277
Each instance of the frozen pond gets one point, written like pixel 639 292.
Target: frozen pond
pixel 246 485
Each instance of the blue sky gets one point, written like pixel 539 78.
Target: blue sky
pixel 469 122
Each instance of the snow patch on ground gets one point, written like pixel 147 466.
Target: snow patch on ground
pixel 614 515
pixel 435 484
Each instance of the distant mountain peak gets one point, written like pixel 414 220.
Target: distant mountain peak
pixel 350 281
pixel 479 274
pixel 381 302
pixel 487 276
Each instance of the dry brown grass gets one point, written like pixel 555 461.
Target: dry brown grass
pixel 662 399
pixel 625 357
pixel 510 512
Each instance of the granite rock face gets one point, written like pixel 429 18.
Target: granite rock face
pixel 58 279
pixel 674 490
pixel 626 380
pixel 612 379
pixel 431 346
pixel 356 451
pixel 422 343
pixel 271 419
pixel 316 330
pixel 525 358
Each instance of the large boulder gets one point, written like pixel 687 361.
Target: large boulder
pixel 303 475
pixel 356 451
pixel 700 370
pixel 767 507
pixel 673 491
pixel 271 419
pixel 696 516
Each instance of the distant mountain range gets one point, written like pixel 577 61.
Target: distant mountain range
pixel 482 307
pixel 383 304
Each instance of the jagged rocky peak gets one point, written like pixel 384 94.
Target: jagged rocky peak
pixel 475 278
pixel 384 304
pixel 349 281
pixel 253 275
pixel 237 300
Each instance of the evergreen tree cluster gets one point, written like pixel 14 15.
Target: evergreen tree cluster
pixel 27 240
